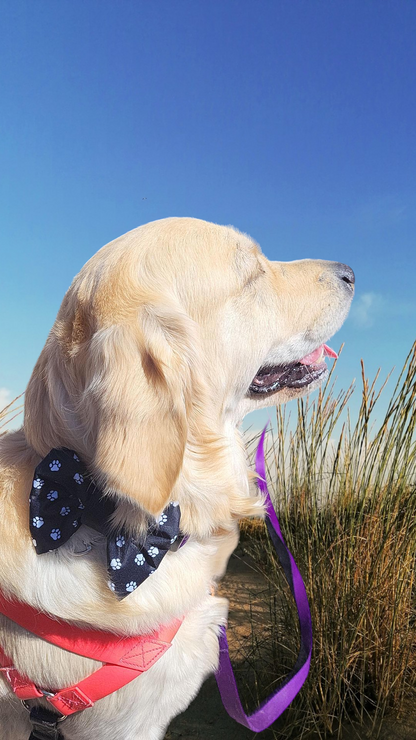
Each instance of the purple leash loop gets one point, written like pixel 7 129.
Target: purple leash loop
pixel 276 704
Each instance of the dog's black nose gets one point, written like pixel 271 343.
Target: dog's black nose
pixel 343 272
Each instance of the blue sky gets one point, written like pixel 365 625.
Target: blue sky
pixel 293 120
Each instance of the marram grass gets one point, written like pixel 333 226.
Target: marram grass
pixel 348 513
pixel 9 413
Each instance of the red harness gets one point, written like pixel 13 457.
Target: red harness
pixel 123 658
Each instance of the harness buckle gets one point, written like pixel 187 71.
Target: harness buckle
pixel 44 723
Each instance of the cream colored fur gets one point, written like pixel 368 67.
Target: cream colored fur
pixel 145 374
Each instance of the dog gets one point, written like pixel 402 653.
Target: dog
pixel 165 340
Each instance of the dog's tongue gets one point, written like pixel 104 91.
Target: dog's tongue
pixel 318 355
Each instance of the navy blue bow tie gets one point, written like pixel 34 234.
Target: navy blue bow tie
pixel 64 496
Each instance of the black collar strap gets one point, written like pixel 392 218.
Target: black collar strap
pixel 64 496
pixel 44 724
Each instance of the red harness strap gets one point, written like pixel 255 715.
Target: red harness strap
pixel 124 658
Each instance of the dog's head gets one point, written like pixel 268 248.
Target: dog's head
pixel 168 336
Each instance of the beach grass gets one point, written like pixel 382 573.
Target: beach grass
pixel 9 413
pixel 347 507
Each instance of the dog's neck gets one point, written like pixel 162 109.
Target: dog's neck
pixel 208 504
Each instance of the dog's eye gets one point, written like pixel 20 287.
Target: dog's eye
pixel 254 277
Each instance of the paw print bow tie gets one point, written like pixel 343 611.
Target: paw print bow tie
pixel 64 496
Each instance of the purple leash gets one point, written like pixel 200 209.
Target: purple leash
pixel 276 704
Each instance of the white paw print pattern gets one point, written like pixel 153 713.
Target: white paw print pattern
pixel 75 523
pixel 174 539
pixel 153 551
pixel 56 534
pixel 37 521
pixel 175 503
pixel 81 505
pixel 65 511
pixel 78 478
pixel 131 586
pixel 76 457
pixel 111 585
pixel 115 563
pixel 54 465
pixel 34 543
pixel 139 559
pixel 38 483
pixel 120 541
pixel 163 518
pixel 52 495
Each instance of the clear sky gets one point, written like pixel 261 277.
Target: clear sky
pixel 293 120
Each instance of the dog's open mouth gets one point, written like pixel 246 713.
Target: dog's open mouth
pixel 295 375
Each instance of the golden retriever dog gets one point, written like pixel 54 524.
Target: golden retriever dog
pixel 165 340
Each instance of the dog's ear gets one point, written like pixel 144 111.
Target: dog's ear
pixel 142 379
pixel 120 395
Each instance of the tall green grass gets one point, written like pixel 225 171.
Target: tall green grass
pixel 348 513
